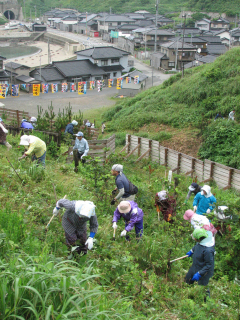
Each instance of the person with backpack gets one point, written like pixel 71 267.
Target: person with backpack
pixel 122 185
pixel 202 268
pixel 133 217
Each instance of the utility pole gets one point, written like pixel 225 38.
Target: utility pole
pixel 86 23
pixel 49 53
pixel 182 65
pixel 110 10
pixel 35 12
pixel 40 73
pixel 155 43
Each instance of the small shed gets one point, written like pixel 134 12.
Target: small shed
pixel 131 89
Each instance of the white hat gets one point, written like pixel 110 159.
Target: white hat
pixel 117 167
pixel 79 134
pixel 207 189
pixel 33 119
pixel 24 120
pixel 24 140
pixel 74 122
pixel 124 207
pixel 162 195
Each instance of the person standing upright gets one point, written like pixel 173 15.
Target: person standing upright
pixel 80 150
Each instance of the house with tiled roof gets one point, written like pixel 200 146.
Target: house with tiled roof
pixel 112 60
pixel 220 23
pixel 111 22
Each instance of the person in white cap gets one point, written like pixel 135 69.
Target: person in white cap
pixel 3 135
pixel 80 150
pixel 33 121
pixel 74 223
pixel 193 188
pixel 132 215
pixel 122 184
pixel 70 126
pixel 36 148
pixel 203 202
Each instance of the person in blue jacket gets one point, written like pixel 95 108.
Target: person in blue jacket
pixel 70 126
pixel 26 125
pixel 203 202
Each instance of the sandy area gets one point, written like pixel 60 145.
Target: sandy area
pixel 57 53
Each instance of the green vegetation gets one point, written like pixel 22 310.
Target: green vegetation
pixel 192 101
pixel 121 6
pixel 116 280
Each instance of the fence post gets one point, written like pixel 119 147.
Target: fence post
pixel 166 157
pixel 129 141
pixel 179 162
pixel 193 166
pixel 18 120
pixel 150 147
pixel 211 169
pixel 139 149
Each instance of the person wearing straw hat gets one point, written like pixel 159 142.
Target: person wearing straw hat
pixel 80 150
pixel 36 148
pixel 133 217
pixel 74 223
pixel 3 135
pixel 202 268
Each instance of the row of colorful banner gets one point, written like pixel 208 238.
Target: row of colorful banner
pixel 81 87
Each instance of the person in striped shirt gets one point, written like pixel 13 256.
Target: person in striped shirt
pixel 36 148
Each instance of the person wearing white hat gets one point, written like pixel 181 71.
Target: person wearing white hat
pixel 132 215
pixel 70 126
pixel 204 201
pixel 26 125
pixel 33 121
pixel 36 148
pixel 3 135
pixel 80 150
pixel 193 188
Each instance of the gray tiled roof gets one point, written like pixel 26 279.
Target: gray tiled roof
pixel 24 78
pixel 115 18
pixel 205 59
pixel 117 67
pixel 103 53
pixel 75 68
pixel 216 49
pixel 160 32
pixel 177 43
pixel 50 74
pixel 134 73
pixel 212 39
pixel 14 65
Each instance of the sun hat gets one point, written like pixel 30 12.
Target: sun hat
pixel 188 214
pixel 74 122
pixel 25 140
pixel 33 119
pixel 124 207
pixel 162 195
pixel 117 167
pixel 79 134
pixel 199 233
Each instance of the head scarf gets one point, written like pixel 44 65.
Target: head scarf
pixel 118 167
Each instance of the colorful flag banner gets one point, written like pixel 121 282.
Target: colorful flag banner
pixel 64 87
pixel 15 90
pixel 128 79
pixel 99 85
pixel 136 79
pixel 110 83
pixel 80 88
pixel 72 87
pixel 119 83
pixel 54 87
pixel 114 34
pixel 3 91
pixel 36 89
pixel 45 88
pixel 23 86
pixel 92 85
pixel 85 87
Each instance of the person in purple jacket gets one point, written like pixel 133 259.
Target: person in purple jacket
pixel 26 125
pixel 132 215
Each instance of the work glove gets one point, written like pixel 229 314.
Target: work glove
pixel 114 192
pixel 55 211
pixel 195 208
pixel 82 156
pixel 185 201
pixel 196 277
pixel 123 233
pixel 71 153
pixel 22 157
pixel 208 211
pixel 114 225
pixel 189 253
pixel 113 202
pixel 89 243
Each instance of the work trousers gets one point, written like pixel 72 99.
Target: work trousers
pixel 77 157
pixel 71 240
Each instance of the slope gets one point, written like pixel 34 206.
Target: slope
pixel 190 101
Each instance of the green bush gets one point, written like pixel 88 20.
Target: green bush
pixel 162 136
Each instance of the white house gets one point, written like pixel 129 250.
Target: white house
pixel 203 24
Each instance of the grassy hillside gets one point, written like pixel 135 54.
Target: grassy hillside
pixel 192 101
pixel 116 280
pixel 121 6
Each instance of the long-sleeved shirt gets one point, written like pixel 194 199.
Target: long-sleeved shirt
pixel 3 132
pixel 36 146
pixel 203 203
pixel 135 215
pixel 81 146
pixel 27 125
pixel 123 186
pixel 71 222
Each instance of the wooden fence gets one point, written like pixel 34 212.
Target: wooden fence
pixel 97 148
pixel 225 177
pixel 14 116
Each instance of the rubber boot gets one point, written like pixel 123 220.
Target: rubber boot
pixel 8 145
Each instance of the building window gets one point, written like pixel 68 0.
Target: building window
pixel 96 61
pixel 98 78
pixel 114 74
pixel 110 24
pixel 171 64
pixel 119 23
pixel 104 62
pixel 114 60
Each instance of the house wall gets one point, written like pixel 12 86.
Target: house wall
pixel 126 45
pixel 202 25
pixel 19 71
